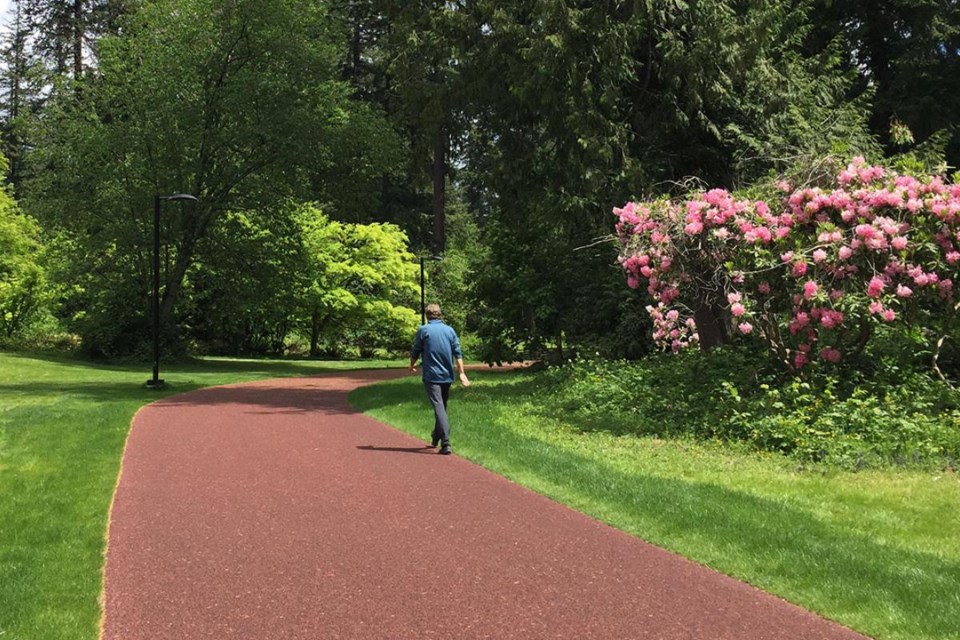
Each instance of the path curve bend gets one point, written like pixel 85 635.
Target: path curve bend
pixel 272 510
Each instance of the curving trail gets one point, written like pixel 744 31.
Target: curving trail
pixel 272 510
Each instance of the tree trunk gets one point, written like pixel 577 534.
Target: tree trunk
pixel 355 42
pixel 194 230
pixel 17 78
pixel 710 327
pixel 439 191
pixel 174 282
pixel 315 333
pixel 78 31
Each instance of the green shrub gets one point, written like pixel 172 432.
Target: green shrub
pixel 846 418
pixel 24 291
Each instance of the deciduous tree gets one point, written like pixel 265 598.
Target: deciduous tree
pixel 236 102
pixel 360 284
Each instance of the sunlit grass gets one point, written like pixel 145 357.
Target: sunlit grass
pixel 63 424
pixel 878 551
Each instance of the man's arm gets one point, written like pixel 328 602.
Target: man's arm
pixel 415 352
pixel 458 354
pixel 464 380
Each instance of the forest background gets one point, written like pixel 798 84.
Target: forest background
pixel 333 145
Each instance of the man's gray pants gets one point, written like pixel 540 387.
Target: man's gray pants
pixel 438 394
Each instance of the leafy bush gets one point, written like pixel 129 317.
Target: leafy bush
pixel 23 287
pixel 810 273
pixel 247 272
pixel 360 285
pixel 847 418
pixel 266 280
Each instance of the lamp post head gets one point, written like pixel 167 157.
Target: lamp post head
pixel 180 196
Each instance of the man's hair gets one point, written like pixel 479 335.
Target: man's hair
pixel 433 311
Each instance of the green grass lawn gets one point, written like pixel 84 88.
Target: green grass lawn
pixel 878 551
pixel 63 425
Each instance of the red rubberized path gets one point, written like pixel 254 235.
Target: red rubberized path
pixel 272 510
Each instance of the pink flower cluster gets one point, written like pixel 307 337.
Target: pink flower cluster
pixel 670 329
pixel 804 271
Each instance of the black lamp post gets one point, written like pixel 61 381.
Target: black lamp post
pixel 155 381
pixel 423 306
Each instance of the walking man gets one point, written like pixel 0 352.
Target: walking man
pixel 439 346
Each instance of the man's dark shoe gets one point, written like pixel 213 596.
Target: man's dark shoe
pixel 445 450
pixel 434 441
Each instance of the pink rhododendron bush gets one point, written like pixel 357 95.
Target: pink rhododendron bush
pixel 813 273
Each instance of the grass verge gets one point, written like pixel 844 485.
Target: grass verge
pixel 63 425
pixel 878 550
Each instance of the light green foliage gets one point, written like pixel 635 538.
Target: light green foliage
pixel 23 288
pixel 360 285
pixel 262 280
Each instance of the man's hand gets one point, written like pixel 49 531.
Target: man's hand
pixel 464 380
pixel 413 368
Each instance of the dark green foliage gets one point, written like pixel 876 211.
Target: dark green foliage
pixel 22 79
pixel 61 30
pixel 241 288
pixel 906 53
pixel 851 419
pixel 544 298
pixel 452 282
pixel 577 107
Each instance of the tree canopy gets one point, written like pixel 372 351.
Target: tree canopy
pixel 500 134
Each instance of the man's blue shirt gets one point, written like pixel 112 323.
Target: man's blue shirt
pixel 439 345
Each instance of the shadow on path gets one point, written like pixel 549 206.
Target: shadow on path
pixel 423 449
